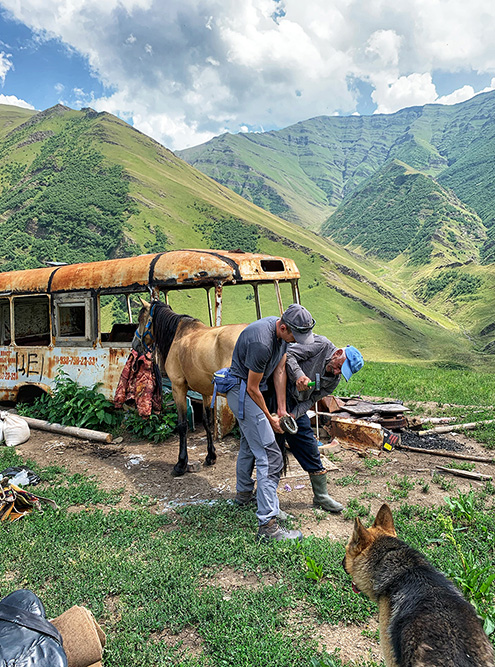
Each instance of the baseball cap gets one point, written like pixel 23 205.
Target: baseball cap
pixel 301 323
pixel 353 362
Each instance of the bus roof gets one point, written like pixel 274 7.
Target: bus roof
pixel 166 270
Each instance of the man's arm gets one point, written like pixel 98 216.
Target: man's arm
pixel 295 355
pixel 280 383
pixel 303 406
pixel 253 389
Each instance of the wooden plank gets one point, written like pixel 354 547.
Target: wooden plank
pixel 443 452
pixel 464 473
pixel 456 427
pixel 73 431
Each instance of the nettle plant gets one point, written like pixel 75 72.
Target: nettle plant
pixel 72 404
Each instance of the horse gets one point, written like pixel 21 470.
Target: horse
pixel 189 352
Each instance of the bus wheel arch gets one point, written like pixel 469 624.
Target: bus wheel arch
pixel 29 392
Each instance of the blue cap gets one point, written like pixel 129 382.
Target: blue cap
pixel 353 362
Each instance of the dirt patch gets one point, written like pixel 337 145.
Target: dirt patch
pixel 187 641
pixel 230 580
pixel 353 642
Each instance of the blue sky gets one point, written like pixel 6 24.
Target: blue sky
pixel 186 70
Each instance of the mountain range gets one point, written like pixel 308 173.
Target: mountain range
pixel 81 186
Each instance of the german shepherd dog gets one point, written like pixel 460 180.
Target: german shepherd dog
pixel 424 620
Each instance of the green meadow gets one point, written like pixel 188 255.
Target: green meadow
pixel 154 579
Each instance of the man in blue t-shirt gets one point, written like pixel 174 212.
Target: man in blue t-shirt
pixel 260 353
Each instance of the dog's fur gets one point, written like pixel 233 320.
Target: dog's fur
pixel 424 620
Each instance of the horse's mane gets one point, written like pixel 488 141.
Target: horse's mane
pixel 165 323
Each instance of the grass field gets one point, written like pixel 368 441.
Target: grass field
pixel 146 576
pixel 153 579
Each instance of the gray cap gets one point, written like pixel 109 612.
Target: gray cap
pixel 301 323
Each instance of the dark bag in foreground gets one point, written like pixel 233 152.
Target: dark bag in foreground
pixel 26 637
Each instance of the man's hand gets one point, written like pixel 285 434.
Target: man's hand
pixel 275 423
pixel 302 382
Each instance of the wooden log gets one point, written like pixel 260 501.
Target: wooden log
pixel 443 452
pixel 465 473
pixel 456 427
pixel 72 431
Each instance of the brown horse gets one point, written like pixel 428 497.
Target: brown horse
pixel 189 353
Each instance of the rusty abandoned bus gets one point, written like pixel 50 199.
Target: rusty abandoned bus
pixel 58 317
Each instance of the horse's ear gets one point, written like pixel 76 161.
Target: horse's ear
pixel 145 303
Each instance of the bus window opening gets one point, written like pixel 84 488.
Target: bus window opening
pixel 31 321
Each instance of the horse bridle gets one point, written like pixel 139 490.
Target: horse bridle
pixel 147 332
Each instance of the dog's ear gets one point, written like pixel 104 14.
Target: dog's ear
pixel 385 520
pixel 360 538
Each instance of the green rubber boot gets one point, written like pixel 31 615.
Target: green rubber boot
pixel 321 497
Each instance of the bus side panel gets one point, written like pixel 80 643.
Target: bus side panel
pixel 39 366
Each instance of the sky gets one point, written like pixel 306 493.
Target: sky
pixel 184 71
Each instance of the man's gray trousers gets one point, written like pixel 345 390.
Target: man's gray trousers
pixel 258 446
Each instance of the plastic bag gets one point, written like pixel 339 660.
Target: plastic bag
pixel 15 429
pixel 20 475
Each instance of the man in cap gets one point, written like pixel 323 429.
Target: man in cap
pixel 260 354
pixel 304 362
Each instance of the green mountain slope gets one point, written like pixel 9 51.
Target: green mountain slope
pixel 400 210
pixel 328 157
pixel 79 185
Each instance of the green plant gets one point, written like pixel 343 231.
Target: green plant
pixel 463 507
pixel 73 405
pixel 347 480
pixel 155 427
pixel 354 509
pixel 425 487
pixel 460 465
pixel 399 487
pixel 314 569
pixel 444 483
pixel 373 464
pixel 143 501
pixel 474 581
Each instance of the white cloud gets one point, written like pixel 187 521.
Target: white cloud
pixel 5 65
pixel 220 66
pixel 15 101
pixel 406 91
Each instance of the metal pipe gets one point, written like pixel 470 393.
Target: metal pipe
pixel 295 291
pixel 210 310
pixel 279 296
pixel 218 304
pixel 257 301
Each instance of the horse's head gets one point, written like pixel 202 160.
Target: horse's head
pixel 144 331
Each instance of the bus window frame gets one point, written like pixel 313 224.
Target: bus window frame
pixel 66 300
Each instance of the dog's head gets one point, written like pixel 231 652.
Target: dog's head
pixel 356 561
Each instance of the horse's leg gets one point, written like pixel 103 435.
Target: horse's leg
pixel 179 394
pixel 211 456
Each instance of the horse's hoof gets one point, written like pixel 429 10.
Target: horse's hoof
pixel 210 462
pixel 178 471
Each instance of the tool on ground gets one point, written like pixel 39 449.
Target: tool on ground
pixel 316 383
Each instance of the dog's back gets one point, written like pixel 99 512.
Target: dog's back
pixel 424 620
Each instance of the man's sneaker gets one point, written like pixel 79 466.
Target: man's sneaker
pixel 273 531
pixel 244 498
